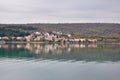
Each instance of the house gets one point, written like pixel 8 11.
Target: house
pixel 48 37
pixel 5 38
pixel 82 39
pixel 54 38
pixel 57 32
pixel 76 40
pixel 37 33
pixel 68 35
pixel 20 38
pixel 92 40
pixel 37 38
pixel 28 38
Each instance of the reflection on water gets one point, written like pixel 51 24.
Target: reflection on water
pixel 59 62
pixel 60 52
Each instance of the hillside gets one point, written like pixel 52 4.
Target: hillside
pixel 77 29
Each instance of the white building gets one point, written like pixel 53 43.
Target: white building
pixel 76 40
pixel 82 39
pixel 92 40
pixel 37 33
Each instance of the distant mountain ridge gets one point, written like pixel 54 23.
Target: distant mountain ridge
pixel 77 29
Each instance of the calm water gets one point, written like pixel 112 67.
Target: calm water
pixel 59 62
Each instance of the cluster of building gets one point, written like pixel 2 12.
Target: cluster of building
pixel 47 37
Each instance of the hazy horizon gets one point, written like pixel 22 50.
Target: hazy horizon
pixel 60 23
pixel 59 11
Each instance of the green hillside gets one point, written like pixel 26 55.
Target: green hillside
pixel 77 29
pixel 83 29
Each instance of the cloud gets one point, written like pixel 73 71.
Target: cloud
pixel 50 11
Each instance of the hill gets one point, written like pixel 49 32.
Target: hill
pixel 77 29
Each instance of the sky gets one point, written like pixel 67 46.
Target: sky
pixel 59 11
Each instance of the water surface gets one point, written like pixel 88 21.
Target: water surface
pixel 59 62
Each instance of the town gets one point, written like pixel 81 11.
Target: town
pixel 53 36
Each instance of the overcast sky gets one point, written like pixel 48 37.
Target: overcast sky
pixel 59 11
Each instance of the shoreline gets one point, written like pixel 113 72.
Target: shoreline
pixel 18 42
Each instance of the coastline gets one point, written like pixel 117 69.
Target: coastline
pixel 21 42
